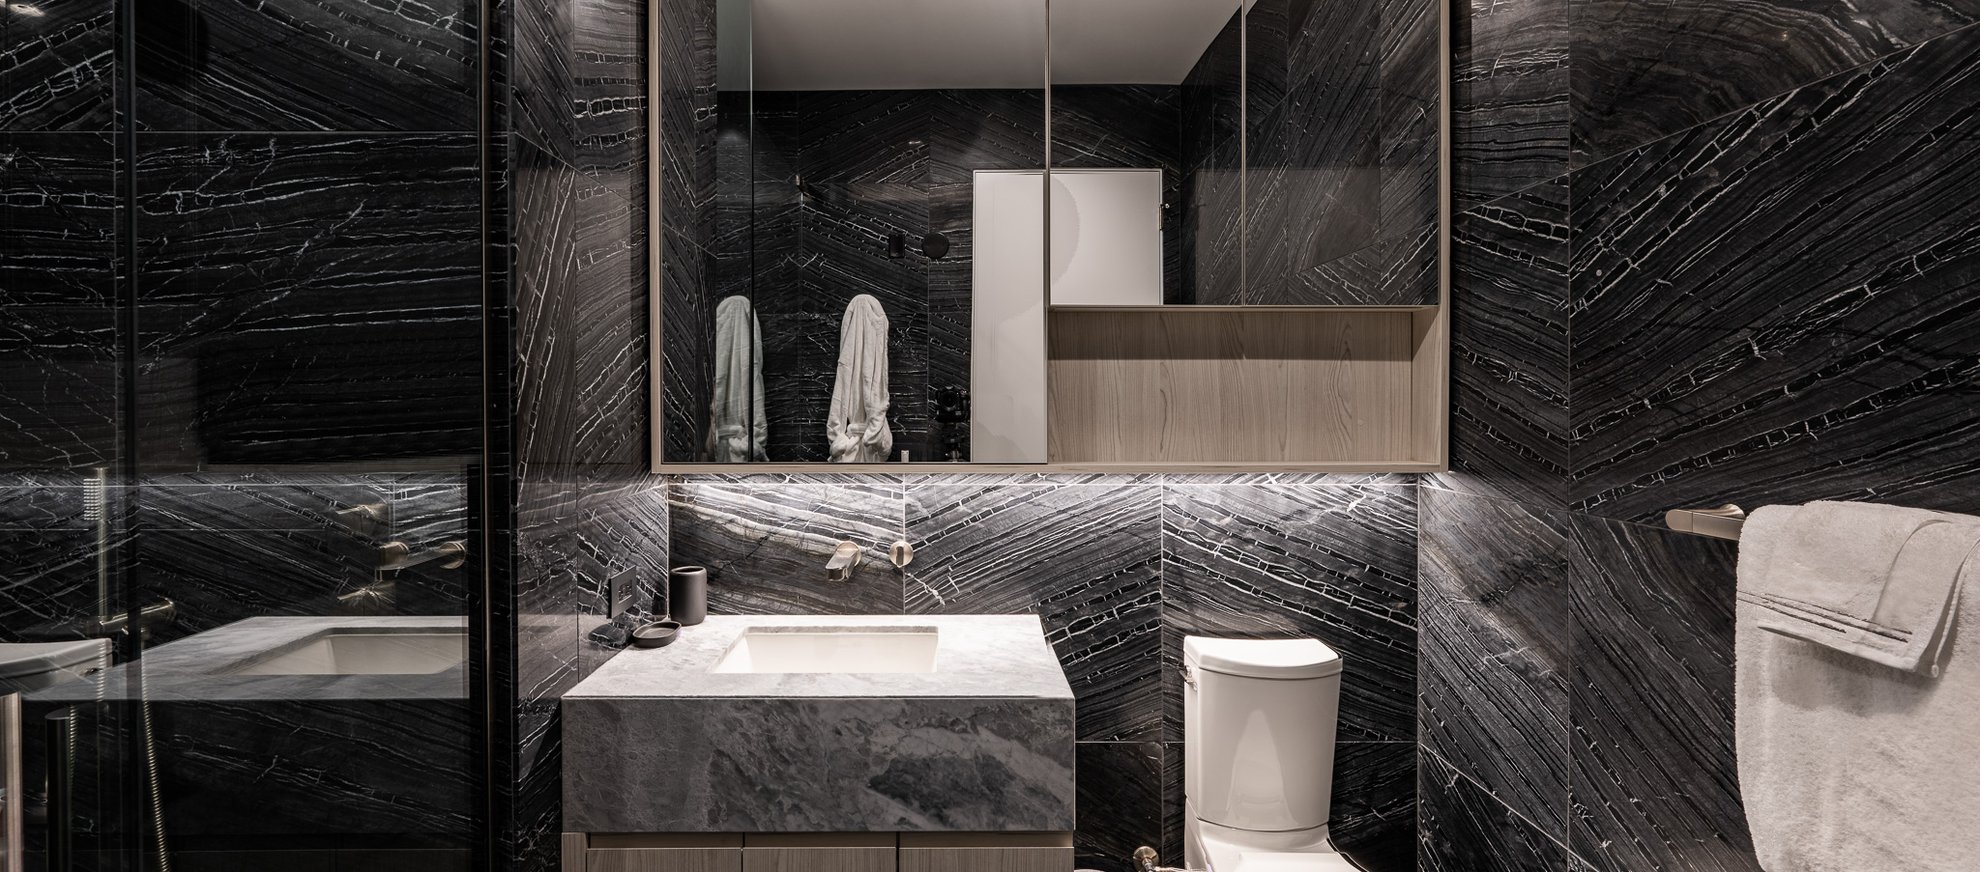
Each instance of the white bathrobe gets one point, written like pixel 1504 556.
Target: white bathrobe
pixel 856 427
pixel 737 430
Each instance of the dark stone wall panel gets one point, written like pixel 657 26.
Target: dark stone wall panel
pixel 1642 72
pixel 1653 780
pixel 1083 557
pixel 1738 335
pixel 303 65
pixel 1493 697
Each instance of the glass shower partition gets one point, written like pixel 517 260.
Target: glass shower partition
pixel 241 434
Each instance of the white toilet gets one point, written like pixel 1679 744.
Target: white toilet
pixel 1258 752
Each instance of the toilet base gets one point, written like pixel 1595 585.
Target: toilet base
pixel 1213 848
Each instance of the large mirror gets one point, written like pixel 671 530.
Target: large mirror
pixel 869 208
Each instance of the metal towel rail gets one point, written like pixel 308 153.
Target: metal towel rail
pixel 1723 522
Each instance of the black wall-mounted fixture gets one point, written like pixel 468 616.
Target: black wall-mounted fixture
pixel 935 245
pixel 897 245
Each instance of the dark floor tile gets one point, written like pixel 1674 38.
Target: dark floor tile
pixel 1085 558
pixel 1493 695
pixel 1653 778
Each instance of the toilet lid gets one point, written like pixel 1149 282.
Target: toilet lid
pixel 1319 861
pixel 1262 658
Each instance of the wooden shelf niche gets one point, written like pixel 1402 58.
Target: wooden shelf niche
pixel 1337 388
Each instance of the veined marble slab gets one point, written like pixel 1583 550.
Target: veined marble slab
pixel 655 742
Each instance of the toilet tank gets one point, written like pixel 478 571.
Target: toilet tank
pixel 1258 731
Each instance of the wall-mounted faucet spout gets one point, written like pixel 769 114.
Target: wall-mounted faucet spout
pixel 845 558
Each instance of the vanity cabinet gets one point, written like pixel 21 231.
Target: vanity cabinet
pixel 817 852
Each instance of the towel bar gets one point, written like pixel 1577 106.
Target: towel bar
pixel 1723 522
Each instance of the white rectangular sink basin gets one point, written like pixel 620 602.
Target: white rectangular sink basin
pixel 830 649
pixel 365 652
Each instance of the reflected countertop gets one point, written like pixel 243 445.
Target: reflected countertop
pixel 201 667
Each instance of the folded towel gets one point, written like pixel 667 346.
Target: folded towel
pixel 1879 582
pixel 1846 765
pixel 737 430
pixel 856 429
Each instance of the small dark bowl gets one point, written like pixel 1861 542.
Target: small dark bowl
pixel 657 634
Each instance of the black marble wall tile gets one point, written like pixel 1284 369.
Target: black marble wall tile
pixel 685 94
pixel 1212 214
pixel 1509 114
pixel 312 771
pixel 309 297
pixel 1464 830
pixel 1372 812
pixel 1313 167
pixel 295 65
pixel 219 576
pixel 1120 803
pixel 1085 558
pixel 51 577
pixel 56 66
pixel 60 219
pixel 59 378
pixel 1492 694
pixel 1738 335
pixel 604 317
pixel 260 501
pixel 1334 563
pixel 1401 270
pixel 1175 807
pixel 1509 340
pixel 765 544
pixel 1410 105
pixel 1643 72
pixel 1653 781
pixel 608 70
pixel 1004 129
pixel 544 90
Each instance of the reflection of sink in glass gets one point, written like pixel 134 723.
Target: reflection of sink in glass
pixel 831 649
pixel 365 652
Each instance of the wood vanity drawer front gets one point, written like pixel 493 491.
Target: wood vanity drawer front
pixel 869 859
pixel 1011 859
pixel 664 860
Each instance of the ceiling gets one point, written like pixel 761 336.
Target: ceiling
pixel 814 45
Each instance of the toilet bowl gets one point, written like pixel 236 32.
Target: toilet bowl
pixel 1258 754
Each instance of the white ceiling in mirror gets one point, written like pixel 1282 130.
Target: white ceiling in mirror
pixel 821 45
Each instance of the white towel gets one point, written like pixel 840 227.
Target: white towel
pixel 1879 582
pixel 737 430
pixel 1851 766
pixel 856 429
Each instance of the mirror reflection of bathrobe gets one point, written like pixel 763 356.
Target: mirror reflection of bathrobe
pixel 856 427
pixel 737 430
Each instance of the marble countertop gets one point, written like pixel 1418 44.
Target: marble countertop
pixel 199 667
pixel 977 656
